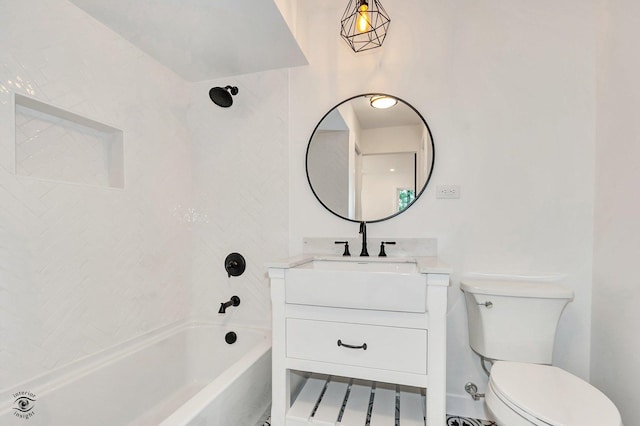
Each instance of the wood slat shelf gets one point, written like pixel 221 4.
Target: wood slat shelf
pixel 338 401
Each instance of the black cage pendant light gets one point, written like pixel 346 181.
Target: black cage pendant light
pixel 364 24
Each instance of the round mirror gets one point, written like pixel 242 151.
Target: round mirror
pixel 370 158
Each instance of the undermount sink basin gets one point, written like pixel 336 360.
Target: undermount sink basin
pixel 392 284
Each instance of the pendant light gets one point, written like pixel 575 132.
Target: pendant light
pixel 364 24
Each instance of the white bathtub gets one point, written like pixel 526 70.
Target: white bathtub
pixel 187 375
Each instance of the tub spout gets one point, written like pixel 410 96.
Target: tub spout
pixel 235 301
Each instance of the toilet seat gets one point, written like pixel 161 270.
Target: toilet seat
pixel 546 395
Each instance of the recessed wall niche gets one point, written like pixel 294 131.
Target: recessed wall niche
pixel 58 145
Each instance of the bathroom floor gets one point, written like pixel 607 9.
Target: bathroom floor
pixel 465 421
pixel 451 421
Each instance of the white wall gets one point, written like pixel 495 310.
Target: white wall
pixel 401 138
pixel 328 165
pixel 241 193
pixel 508 89
pixel 380 186
pixel 616 288
pixel 82 267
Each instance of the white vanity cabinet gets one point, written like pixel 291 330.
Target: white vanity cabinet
pixel 356 327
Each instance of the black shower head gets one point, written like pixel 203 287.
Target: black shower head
pixel 221 96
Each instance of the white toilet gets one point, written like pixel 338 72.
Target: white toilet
pixel 513 324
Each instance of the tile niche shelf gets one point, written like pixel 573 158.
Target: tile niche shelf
pixel 58 145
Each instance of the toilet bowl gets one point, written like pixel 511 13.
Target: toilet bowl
pixel 513 324
pixel 525 394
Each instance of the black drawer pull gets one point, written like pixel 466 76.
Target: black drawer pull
pixel 362 346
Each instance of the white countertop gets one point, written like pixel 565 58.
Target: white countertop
pixel 425 264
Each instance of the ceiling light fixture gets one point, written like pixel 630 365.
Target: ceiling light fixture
pixel 364 24
pixel 382 101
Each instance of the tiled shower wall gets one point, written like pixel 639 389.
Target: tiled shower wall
pixel 241 193
pixel 82 267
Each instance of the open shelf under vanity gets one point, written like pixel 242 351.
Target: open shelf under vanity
pixel 332 400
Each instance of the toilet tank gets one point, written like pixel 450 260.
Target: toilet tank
pixel 514 320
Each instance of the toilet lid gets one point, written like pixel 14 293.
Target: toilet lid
pixel 552 395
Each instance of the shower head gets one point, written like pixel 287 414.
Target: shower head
pixel 221 96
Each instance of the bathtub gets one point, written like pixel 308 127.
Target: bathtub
pixel 184 375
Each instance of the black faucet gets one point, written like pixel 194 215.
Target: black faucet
pixel 363 231
pixel 235 301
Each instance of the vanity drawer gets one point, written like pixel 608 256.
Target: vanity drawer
pixel 387 348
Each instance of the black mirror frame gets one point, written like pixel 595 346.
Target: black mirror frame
pixel 418 195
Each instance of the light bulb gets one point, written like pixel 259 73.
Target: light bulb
pixel 362 24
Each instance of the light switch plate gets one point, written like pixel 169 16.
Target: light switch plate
pixel 448 191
